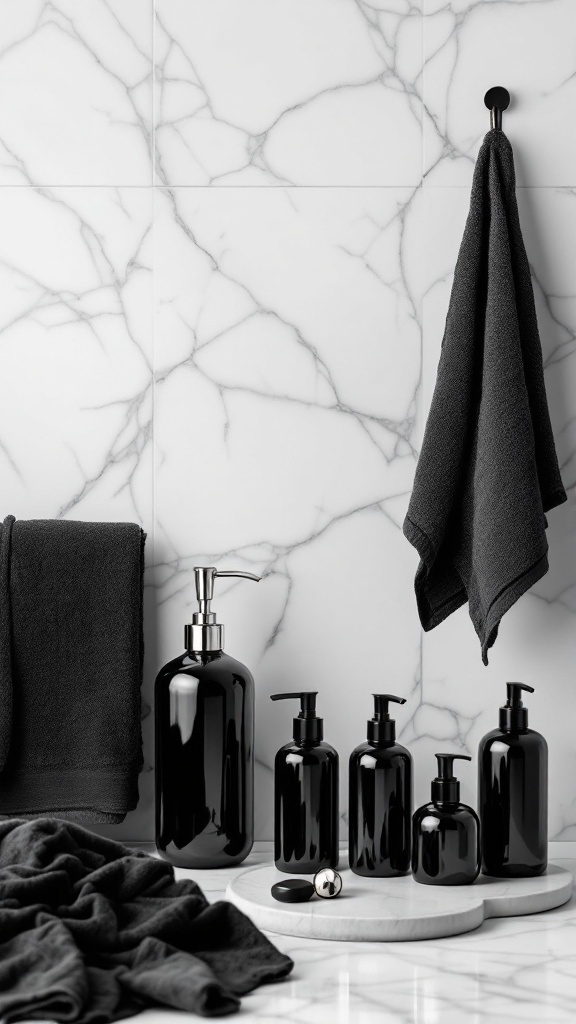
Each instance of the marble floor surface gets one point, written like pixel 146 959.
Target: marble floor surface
pixel 518 969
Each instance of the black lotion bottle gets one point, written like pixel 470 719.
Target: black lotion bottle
pixel 305 795
pixel 446 833
pixel 380 807
pixel 513 793
pixel 204 718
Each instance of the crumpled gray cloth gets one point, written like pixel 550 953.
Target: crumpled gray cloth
pixel 92 931
pixel 488 469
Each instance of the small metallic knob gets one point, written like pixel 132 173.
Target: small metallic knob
pixel 327 883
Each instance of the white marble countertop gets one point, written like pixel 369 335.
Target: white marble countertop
pixel 518 969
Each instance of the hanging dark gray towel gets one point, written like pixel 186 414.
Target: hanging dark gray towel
pixel 70 668
pixel 91 932
pixel 488 470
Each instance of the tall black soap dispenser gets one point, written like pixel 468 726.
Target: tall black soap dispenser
pixel 446 833
pixel 380 808
pixel 513 793
pixel 204 704
pixel 305 795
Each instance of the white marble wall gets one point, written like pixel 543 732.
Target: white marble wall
pixel 222 295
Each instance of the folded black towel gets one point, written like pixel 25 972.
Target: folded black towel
pixel 70 668
pixel 488 470
pixel 92 931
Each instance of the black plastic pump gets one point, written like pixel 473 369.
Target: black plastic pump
pixel 382 728
pixel 445 787
pixel 307 727
pixel 513 715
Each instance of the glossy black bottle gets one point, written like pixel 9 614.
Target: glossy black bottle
pixel 446 833
pixel 204 708
pixel 305 795
pixel 380 799
pixel 513 793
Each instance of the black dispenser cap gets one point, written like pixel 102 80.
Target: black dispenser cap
pixel 307 727
pixel 513 715
pixel 446 788
pixel 382 728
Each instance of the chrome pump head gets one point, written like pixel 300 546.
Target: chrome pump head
pixel 204 633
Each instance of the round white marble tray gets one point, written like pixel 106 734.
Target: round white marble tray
pixel 395 909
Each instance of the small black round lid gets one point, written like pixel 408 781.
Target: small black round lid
pixel 293 890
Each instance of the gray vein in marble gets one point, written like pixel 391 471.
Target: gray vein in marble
pixel 6 453
pixel 129 442
pixel 384 43
pixel 451 149
pixel 402 428
pixel 50 16
pixel 133 432
pixel 268 556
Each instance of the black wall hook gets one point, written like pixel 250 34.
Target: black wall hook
pixel 497 99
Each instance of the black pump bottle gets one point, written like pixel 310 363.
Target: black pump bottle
pixel 446 833
pixel 380 808
pixel 513 793
pixel 305 795
pixel 204 705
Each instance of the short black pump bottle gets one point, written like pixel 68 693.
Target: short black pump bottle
pixel 513 793
pixel 380 808
pixel 305 795
pixel 446 833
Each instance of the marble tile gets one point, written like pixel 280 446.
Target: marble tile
pixel 75 367
pixel 303 92
pixel 287 362
pixel 525 45
pixel 76 352
pixel 79 81
pixel 537 638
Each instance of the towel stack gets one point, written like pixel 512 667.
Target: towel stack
pixel 70 668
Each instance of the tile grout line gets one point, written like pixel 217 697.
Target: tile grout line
pixel 422 104
pixel 153 310
pixel 420 400
pixel 266 188
pixel 153 114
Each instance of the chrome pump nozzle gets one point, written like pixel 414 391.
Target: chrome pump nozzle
pixel 204 633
